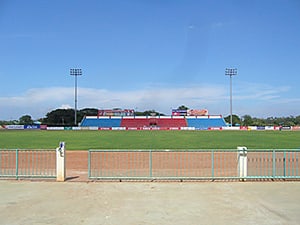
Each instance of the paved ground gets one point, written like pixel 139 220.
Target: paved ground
pixel 134 203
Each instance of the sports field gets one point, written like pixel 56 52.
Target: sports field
pixel 84 140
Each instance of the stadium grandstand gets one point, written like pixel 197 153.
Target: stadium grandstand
pixel 126 119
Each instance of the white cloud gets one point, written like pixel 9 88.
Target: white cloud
pixel 253 99
pixel 65 106
pixel 259 92
pixel 217 24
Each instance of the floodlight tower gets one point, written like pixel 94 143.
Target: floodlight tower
pixel 230 72
pixel 75 73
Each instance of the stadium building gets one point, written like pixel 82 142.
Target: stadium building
pixel 126 119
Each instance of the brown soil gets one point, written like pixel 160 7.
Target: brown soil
pixel 77 165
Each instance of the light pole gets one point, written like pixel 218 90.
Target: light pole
pixel 75 73
pixel 230 72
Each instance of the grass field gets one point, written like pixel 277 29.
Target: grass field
pixel 84 140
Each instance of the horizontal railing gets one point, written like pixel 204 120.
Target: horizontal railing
pixel 25 163
pixel 193 164
pixel 273 164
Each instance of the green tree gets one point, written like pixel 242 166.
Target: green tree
pixel 136 113
pixel 151 113
pixel 25 120
pixel 259 122
pixel 65 117
pixel 297 120
pixel 86 112
pixel 247 120
pixel 60 117
pixel 235 120
pixel 183 107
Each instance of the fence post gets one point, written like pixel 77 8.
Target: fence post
pixel 212 164
pixel 60 162
pixel 150 163
pixel 242 162
pixel 89 164
pixel 17 164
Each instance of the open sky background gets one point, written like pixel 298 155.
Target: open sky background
pixel 149 55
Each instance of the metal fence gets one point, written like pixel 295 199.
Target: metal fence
pixel 273 164
pixel 23 163
pixel 193 164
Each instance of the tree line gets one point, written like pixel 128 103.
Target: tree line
pixel 247 120
pixel 65 117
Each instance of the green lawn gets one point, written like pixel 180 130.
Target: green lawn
pixel 84 140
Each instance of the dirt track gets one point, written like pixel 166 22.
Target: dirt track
pixel 77 165
pixel 173 164
pixel 191 164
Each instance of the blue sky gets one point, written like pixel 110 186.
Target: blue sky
pixel 150 55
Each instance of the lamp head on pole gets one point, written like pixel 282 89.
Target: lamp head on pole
pixel 75 72
pixel 230 72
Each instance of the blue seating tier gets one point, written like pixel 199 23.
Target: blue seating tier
pixel 205 123
pixel 101 122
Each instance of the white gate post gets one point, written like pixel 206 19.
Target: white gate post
pixel 242 162
pixel 60 162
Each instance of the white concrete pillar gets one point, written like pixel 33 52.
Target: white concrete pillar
pixel 242 161
pixel 60 162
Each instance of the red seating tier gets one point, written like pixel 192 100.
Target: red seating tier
pixel 156 122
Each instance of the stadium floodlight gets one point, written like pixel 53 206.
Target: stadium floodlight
pixel 230 72
pixel 75 73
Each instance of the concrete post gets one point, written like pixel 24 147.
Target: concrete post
pixel 242 162
pixel 60 162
